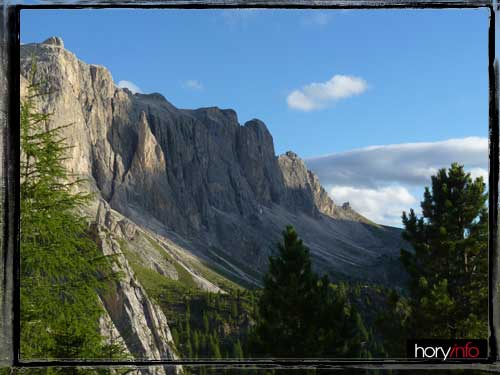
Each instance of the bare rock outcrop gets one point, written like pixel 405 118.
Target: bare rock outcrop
pixel 199 176
pixel 132 317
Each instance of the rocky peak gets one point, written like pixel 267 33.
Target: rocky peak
pixel 156 97
pixel 230 114
pixel 294 170
pixel 292 155
pixel 217 119
pixel 304 186
pixel 257 125
pixel 54 41
pixel 196 173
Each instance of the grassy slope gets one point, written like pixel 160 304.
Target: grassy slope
pixel 203 324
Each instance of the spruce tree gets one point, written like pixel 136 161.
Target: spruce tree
pixel 234 309
pixel 341 332
pixel 61 268
pixel 299 314
pixel 206 323
pixel 214 346
pixel 448 266
pixel 392 323
pixel 196 342
pixel 237 350
pixel 286 316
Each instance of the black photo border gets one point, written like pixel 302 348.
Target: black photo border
pixel 10 298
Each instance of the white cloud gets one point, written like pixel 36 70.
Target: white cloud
pixel 129 85
pixel 297 100
pixel 406 163
pixel 321 95
pixel 383 205
pixel 193 84
pixel 479 172
pixel 382 181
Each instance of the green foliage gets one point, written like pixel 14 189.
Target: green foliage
pixel 61 267
pixel 203 324
pixel 185 277
pixel 449 267
pixel 392 321
pixel 301 315
pixel 237 350
pixel 206 326
pixel 157 285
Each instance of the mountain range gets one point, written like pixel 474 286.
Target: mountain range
pixel 192 192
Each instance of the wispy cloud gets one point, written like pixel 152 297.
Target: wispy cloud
pixel 129 85
pixel 316 96
pixel 193 84
pixel 381 181
pixel 408 163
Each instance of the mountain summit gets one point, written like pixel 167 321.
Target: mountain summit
pixel 199 178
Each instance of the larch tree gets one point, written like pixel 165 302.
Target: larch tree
pixel 61 267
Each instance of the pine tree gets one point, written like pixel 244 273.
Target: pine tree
pixel 234 309
pixel 237 350
pixel 214 346
pixel 189 350
pixel 448 267
pixel 196 342
pixel 206 323
pixel 60 265
pixel 299 314
pixel 341 332
pixel 286 320
pixel 175 336
pixel 392 323
pixel 203 343
pixel 187 322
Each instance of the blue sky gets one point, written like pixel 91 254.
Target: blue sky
pixel 325 82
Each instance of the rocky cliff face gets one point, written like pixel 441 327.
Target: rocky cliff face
pixel 304 191
pixel 132 318
pixel 197 177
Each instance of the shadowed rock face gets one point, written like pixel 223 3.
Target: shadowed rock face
pixel 216 184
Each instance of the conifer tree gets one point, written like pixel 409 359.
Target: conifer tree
pixel 237 350
pixel 196 341
pixel 206 324
pixel 286 325
pixel 61 267
pixel 214 347
pixel 341 331
pixel 299 314
pixel 448 267
pixel 175 336
pixel 392 323
pixel 234 310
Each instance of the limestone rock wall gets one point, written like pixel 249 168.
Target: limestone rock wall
pixel 199 176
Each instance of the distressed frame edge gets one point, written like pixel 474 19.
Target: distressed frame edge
pixel 10 299
pixel 10 142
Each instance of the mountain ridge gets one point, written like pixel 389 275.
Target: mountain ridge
pixel 198 172
pixel 189 197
